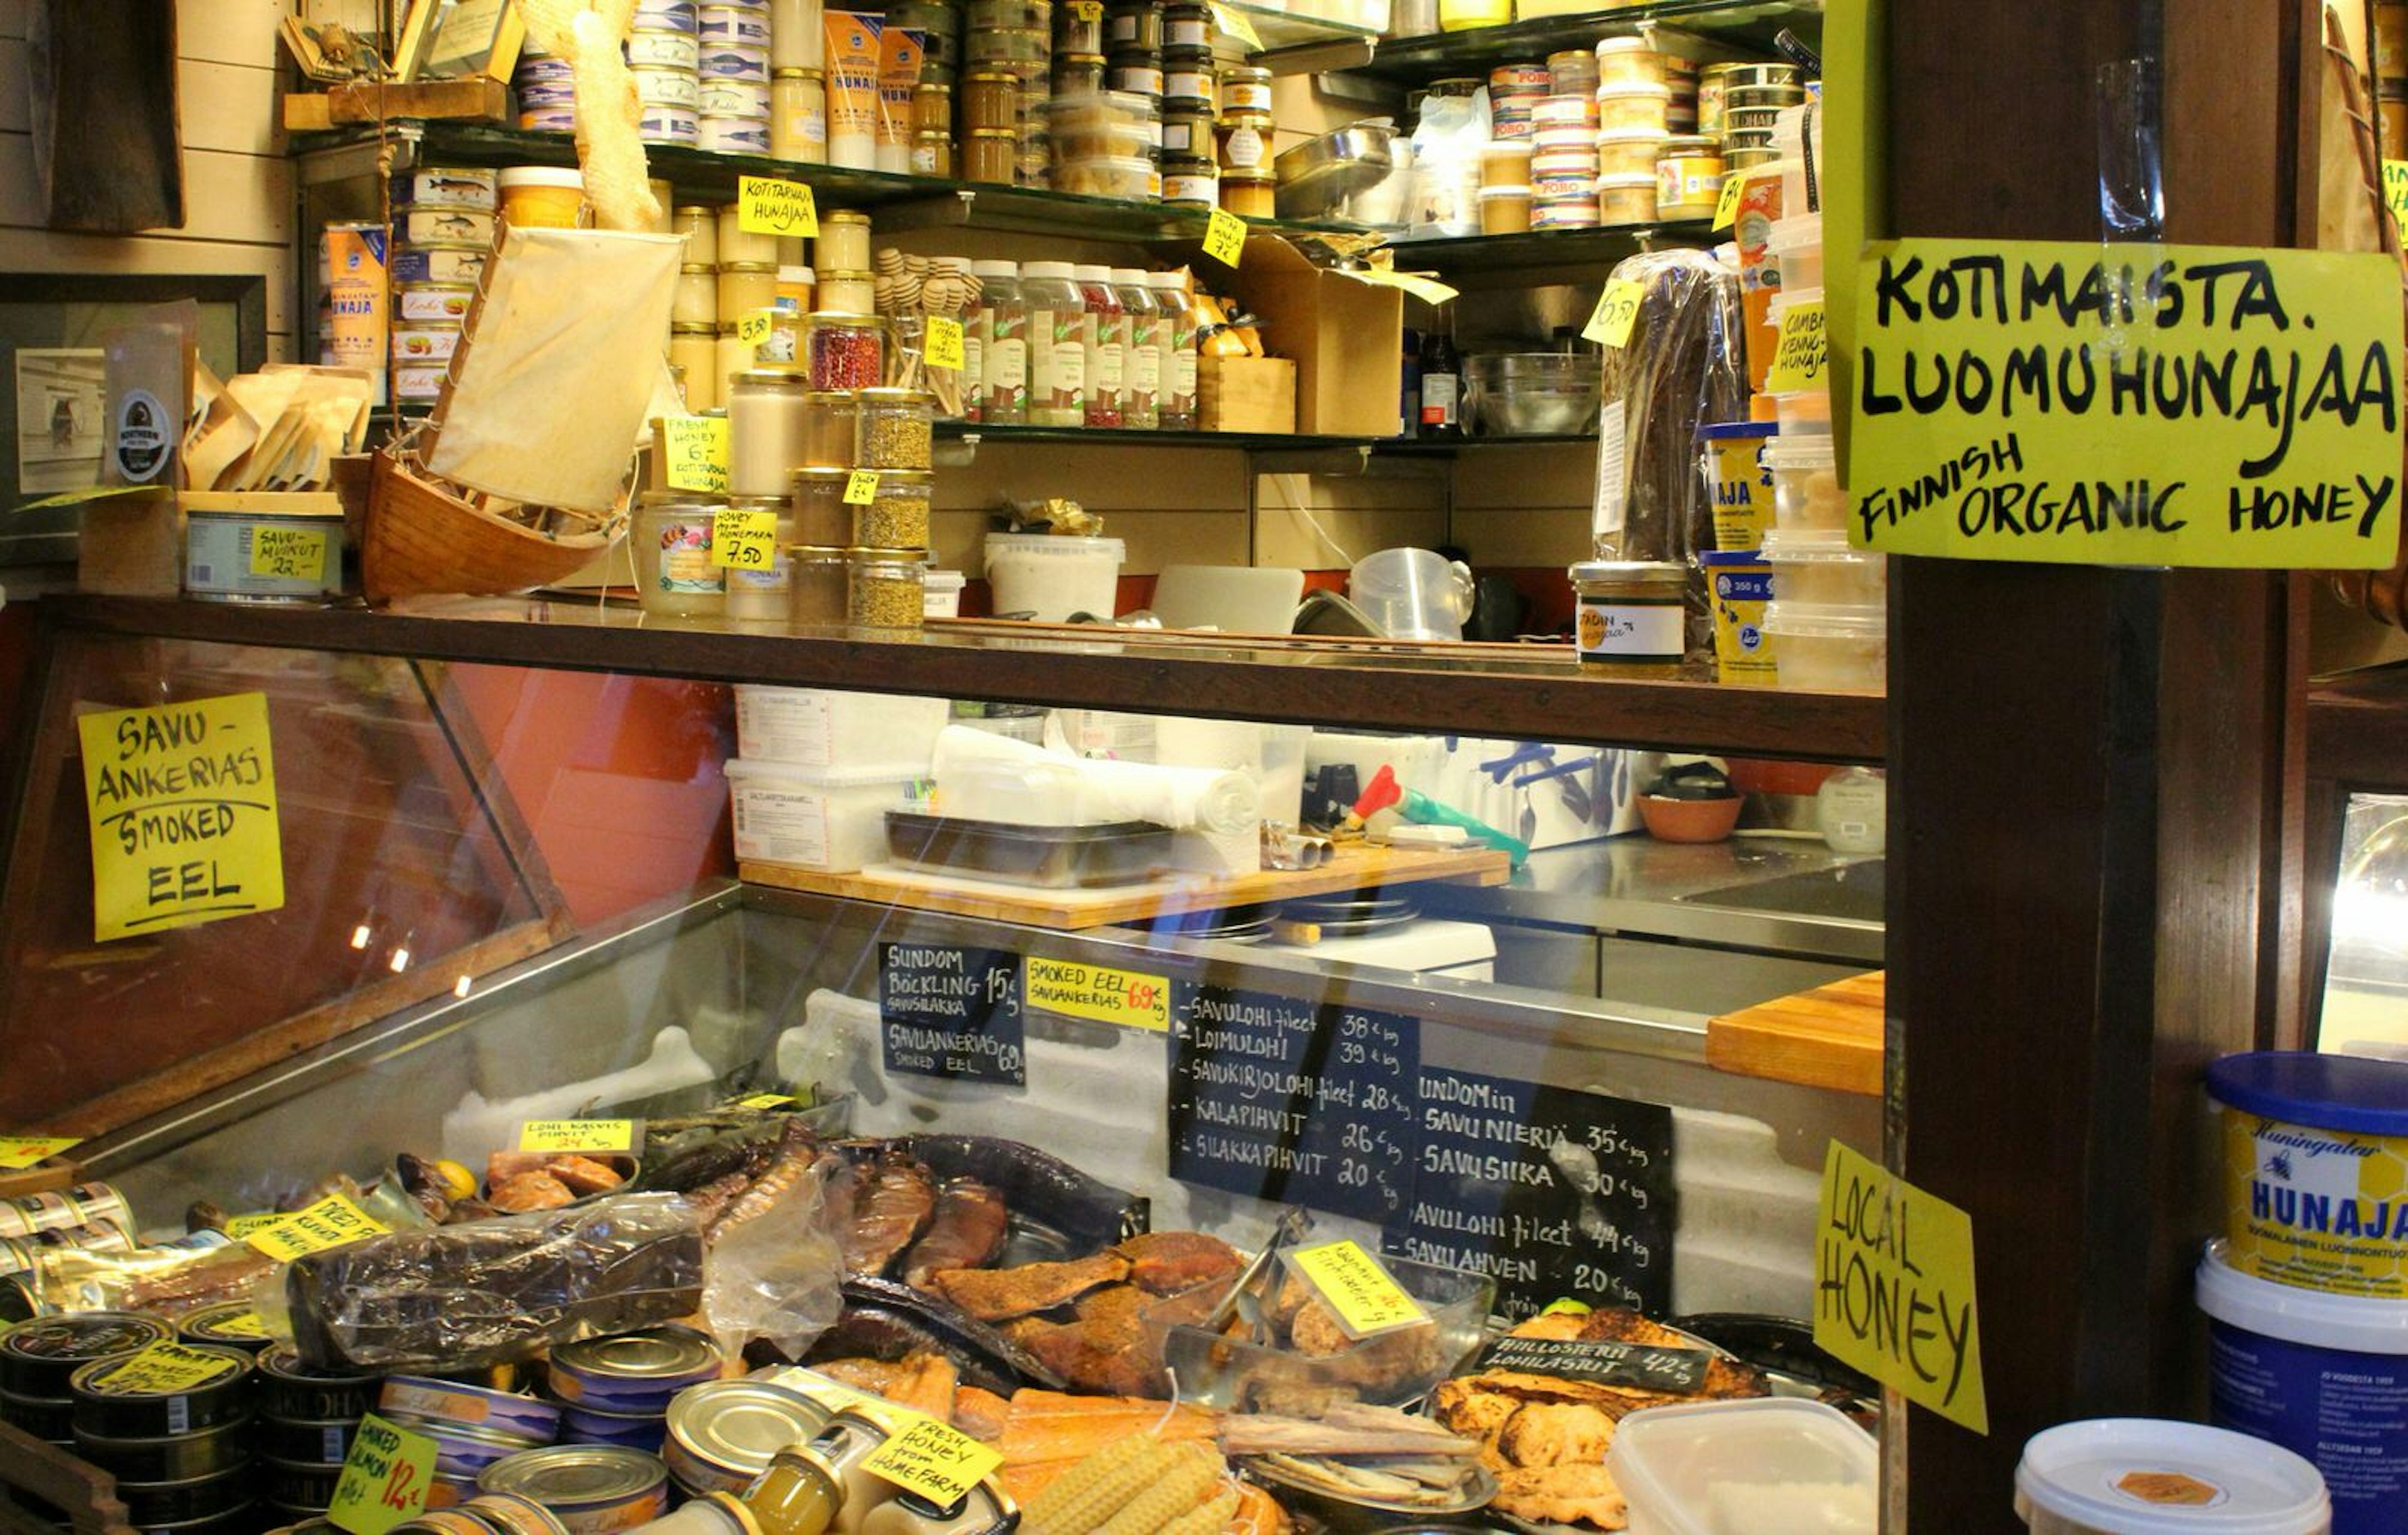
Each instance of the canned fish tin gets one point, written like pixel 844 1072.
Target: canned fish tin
pixel 289 1391
pixel 452 226
pixel 661 50
pixel 636 1430
pixel 540 68
pixel 510 1515
pixel 440 303
pixel 440 263
pixel 667 87
pixel 323 1442
pixel 39 1358
pixel 86 1204
pixel 732 98
pixel 41 1416
pixel 19 1253
pixel 660 125
pixel 634 1372
pixel 425 343
pixel 444 1519
pixel 2315 1169
pixel 419 383
pixel 303 1483
pixel 592 1489
pixel 536 96
pixel 168 1388
pixel 667 16
pixel 450 1492
pixel 230 1323
pixel 735 136
pixel 173 1505
pixel 450 186
pixel 728 24
pixel 985 1510
pixel 524 1419
pixel 728 62
pixel 721 1435
pixel 178 1457
pixel 549 119
pixel 262 556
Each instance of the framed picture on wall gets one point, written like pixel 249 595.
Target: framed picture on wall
pixel 455 39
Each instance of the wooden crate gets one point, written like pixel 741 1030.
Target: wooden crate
pixel 1246 394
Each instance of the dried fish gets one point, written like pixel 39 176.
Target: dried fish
pixel 968 1232
pixel 898 1198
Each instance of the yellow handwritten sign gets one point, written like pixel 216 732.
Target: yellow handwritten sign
pixel 766 1100
pixel 768 206
pixel 385 1478
pixel 579 1134
pixel 164 1369
pixel 182 801
pixel 1801 359
pixel 745 538
pixel 693 453
pixel 1087 10
pixel 332 1222
pixel 1238 24
pixel 754 326
pixel 861 487
pixel 240 1227
pixel 2145 405
pixel 1430 290
pixel 1225 237
pixel 1894 1287
pixel 935 1460
pixel 1727 206
pixel 18 1151
pixel 945 342
pixel 1357 1286
pixel 2395 193
pixel 1128 997
pixel 292 554
pixel 1617 310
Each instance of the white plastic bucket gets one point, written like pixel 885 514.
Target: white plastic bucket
pixel 1050 579
pixel 2144 1476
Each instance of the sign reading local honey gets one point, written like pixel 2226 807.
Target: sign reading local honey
pixel 1894 1287
pixel 182 803
pixel 2127 404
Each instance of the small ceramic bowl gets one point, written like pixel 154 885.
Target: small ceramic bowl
pixel 1689 820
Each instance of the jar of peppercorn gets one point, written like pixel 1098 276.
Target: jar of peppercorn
pixel 845 350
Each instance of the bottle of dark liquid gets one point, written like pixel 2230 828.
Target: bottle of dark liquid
pixel 1441 386
pixel 1410 400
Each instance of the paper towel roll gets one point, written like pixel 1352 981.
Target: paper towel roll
pixel 1183 798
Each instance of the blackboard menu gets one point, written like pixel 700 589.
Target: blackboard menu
pixel 1555 1192
pixel 1285 1100
pixel 951 1012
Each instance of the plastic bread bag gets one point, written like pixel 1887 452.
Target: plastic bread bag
pixel 776 1267
pixel 1683 365
pixel 491 1291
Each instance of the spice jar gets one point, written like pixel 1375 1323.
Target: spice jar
pixel 1175 336
pixel 896 516
pixel 885 589
pixel 1058 330
pixel 693 350
pixel 670 537
pixel 893 431
pixel 820 512
pixel 1632 612
pixel 845 349
pixel 798 116
pixel 1078 29
pixel 1191 182
pixel 991 154
pixel 843 244
pixel 999 330
pixel 700 227
pixel 1246 88
pixel 1145 23
pixel 819 580
pixel 828 428
pixel 696 300
pixel 1107 345
pixel 1141 377
pixel 761 596
pixel 764 430
pixel 1188 80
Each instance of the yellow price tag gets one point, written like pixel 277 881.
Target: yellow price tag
pixel 182 803
pixel 754 326
pixel 2395 191
pixel 766 1100
pixel 935 1460
pixel 240 1227
pixel 164 1369
pixel 1617 310
pixel 1428 290
pixel 1087 10
pixel 768 206
pixel 290 553
pixel 1225 237
pixel 22 1151
pixel 592 1135
pixel 745 540
pixel 332 1222
pixel 944 348
pixel 1801 358
pixel 1727 206
pixel 1357 1286
pixel 693 453
pixel 1894 1287
pixel 385 1478
pixel 861 487
pixel 1238 24
pixel 243 1325
pixel 1128 997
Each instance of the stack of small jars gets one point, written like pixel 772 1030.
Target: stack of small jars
pixel 730 273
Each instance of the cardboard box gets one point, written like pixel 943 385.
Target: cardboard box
pixel 1246 394
pixel 1346 336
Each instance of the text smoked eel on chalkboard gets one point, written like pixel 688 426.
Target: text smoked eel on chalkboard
pixel 951 1012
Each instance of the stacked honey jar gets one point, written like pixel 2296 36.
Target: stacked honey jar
pixel 731 278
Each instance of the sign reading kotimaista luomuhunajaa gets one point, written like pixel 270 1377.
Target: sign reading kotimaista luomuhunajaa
pixel 2127 404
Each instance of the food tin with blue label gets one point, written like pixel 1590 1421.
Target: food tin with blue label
pixel 1738 584
pixel 661 50
pixel 636 1430
pixel 734 135
pixel 723 1434
pixel 659 125
pixel 668 88
pixel 591 1488
pixel 448 186
pixel 733 61
pixel 2315 1169
pixel 733 24
pixel 637 1372
pixel 522 1419
pixel 454 265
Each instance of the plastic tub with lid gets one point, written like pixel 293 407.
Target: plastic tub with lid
pixel 825 727
pixel 940 594
pixel 1746 1468
pixel 1797 245
pixel 829 820
pixel 1806 492
pixel 1830 648
pixel 1050 579
pixel 2144 1476
pixel 1815 565
pixel 2315 1169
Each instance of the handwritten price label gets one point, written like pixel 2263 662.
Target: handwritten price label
pixel 1727 206
pixel 765 1100
pixel 1238 24
pixel 2395 191
pixel 596 1135
pixel 945 343
pixel 1225 237
pixel 861 487
pixel 1802 355
pixel 693 453
pixel 1087 10
pixel 385 1478
pixel 1617 310
pixel 240 1227
pixel 1357 1286
pixel 745 540
pixel 22 1151
pixel 289 554
pixel 768 206
pixel 1128 997
pixel 935 1460
pixel 164 1369
pixel 754 326
pixel 332 1222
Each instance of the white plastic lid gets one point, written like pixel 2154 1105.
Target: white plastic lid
pixel 2115 1476
pixel 996 268
pixel 1827 620
pixel 1052 547
pixel 2358 1324
pixel 1093 272
pixel 541 176
pixel 1635 88
pixel 1801 233
pixel 1128 277
pixel 1631 136
pixel 1501 194
pixel 769 774
pixel 1788 299
pixel 1622 45
pixel 1057 271
pixel 1767 1464
pixel 944 580
pixel 1626 179
pixel 1822 546
pixel 1170 281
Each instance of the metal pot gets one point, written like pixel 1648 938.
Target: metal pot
pixel 1319 174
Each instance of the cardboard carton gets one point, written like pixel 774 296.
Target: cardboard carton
pixel 1346 336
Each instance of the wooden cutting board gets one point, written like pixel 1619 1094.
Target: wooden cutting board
pixel 1831 1037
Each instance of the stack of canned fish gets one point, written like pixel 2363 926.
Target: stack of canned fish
pixel 39 1360
pixel 473 1427
pixel 91 1217
pixel 662 54
pixel 545 89
pixel 443 230
pixel 617 1390
pixel 589 1488
pixel 735 77
pixel 1738 103
pixel 305 1427
pixel 171 1421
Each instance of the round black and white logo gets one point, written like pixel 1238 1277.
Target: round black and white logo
pixel 143 439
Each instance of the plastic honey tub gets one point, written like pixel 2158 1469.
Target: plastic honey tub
pixel 2315 1169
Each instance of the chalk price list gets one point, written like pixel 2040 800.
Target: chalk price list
pixel 951 1012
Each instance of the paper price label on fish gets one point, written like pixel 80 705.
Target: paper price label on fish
pixel 1617 310
pixel 1357 1286
pixel 768 206
pixel 1894 1287
pixel 581 1135
pixel 18 1151
pixel 934 1460
pixel 385 1478
pixel 744 539
pixel 332 1222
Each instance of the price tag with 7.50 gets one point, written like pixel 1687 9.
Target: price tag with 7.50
pixel 385 1478
pixel 744 539
pixel 1225 237
pixel 1617 310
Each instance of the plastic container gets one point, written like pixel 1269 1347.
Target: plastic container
pixel 1627 60
pixel 2143 1476
pixel 1629 151
pixel 1688 178
pixel 1550 112
pixel 1059 324
pixel 1830 648
pixel 1806 491
pixel 670 537
pixel 1505 163
pixel 1050 578
pixel 1627 197
pixel 1815 567
pixel 1504 211
pixel 1739 587
pixel 1797 244
pixel 2315 1170
pixel 833 821
pixel 2318 1374
pixel 1053 857
pixel 1411 593
pixel 1635 103
pixel 1766 1465
pixel 542 196
pixel 941 593
pixel 890 733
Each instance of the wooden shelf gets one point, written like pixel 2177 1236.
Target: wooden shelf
pixel 2357 729
pixel 1069 910
pixel 1520 692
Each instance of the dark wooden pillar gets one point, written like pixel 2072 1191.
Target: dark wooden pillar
pixel 2088 771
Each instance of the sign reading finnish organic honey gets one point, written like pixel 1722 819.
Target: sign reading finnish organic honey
pixel 1894 1287
pixel 768 206
pixel 2157 405
pixel 182 803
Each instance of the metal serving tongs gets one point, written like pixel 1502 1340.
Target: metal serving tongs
pixel 1294 1222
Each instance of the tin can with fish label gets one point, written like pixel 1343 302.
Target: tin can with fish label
pixel 86 1204
pixel 723 1434
pixel 592 1489
pixel 634 1372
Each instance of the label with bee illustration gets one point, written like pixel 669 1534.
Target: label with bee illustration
pixel 1738 584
